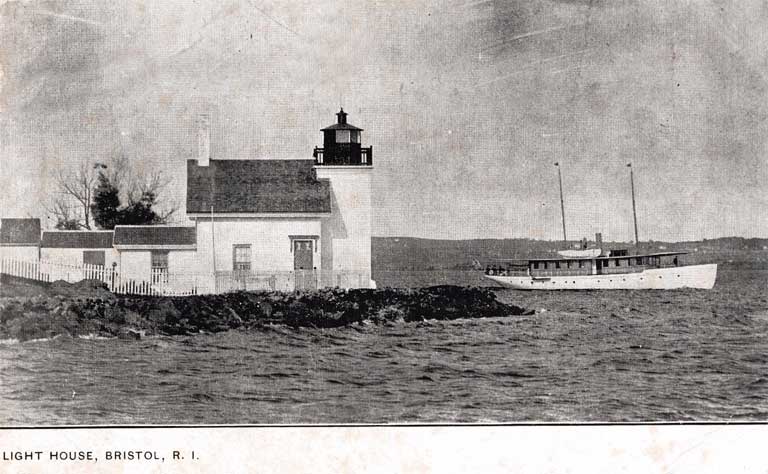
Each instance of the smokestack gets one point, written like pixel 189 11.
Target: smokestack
pixel 599 241
pixel 203 140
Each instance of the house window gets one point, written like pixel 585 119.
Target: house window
pixel 355 136
pixel 160 261
pixel 159 267
pixel 241 257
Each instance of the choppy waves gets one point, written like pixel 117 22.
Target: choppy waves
pixel 592 356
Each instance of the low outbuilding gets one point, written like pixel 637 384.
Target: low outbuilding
pixel 147 252
pixel 20 239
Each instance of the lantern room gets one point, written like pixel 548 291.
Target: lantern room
pixel 341 145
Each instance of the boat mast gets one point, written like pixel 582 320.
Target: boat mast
pixel 634 210
pixel 562 204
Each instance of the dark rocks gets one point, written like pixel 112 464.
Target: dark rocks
pixel 17 286
pixel 133 317
pixel 130 333
pixel 83 288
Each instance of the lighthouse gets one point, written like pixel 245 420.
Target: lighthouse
pixel 348 166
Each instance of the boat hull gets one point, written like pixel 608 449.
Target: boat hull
pixel 667 278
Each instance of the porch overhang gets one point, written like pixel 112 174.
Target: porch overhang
pixel 313 238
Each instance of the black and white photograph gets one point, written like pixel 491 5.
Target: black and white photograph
pixel 337 212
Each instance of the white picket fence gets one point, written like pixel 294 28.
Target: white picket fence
pixel 161 283
pixel 158 282
pixel 53 271
pixel 23 269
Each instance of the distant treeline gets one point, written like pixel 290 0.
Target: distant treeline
pixel 408 253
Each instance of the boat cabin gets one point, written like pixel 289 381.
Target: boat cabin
pixel 615 262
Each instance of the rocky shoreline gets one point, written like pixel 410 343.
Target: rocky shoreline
pixel 87 308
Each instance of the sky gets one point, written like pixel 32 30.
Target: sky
pixel 467 104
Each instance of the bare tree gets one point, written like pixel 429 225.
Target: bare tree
pixel 134 185
pixel 154 183
pixel 65 217
pixel 72 199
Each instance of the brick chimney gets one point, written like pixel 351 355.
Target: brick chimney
pixel 203 140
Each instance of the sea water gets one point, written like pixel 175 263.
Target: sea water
pixel 584 356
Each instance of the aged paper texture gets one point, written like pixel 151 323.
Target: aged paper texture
pixel 517 225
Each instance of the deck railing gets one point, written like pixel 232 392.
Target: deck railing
pixel 360 157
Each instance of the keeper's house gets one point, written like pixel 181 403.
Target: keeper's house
pixel 304 219
pixel 142 249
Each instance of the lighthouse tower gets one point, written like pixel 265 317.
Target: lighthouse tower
pixel 346 242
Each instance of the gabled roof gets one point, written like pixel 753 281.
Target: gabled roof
pixel 154 236
pixel 257 186
pixel 77 239
pixel 20 231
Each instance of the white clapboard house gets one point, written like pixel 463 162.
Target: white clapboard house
pixel 302 223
